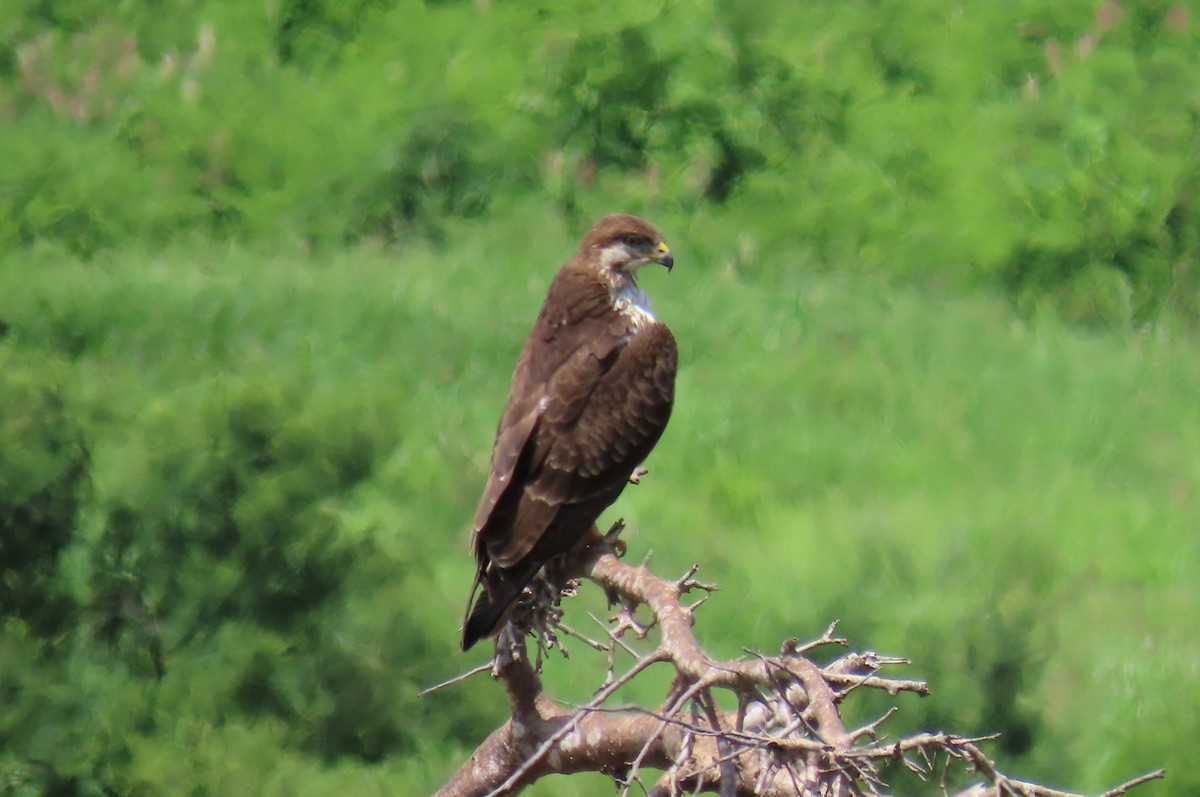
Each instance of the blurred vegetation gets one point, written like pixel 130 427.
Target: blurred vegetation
pixel 1048 147
pixel 264 270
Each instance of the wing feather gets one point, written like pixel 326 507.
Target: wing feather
pixel 585 457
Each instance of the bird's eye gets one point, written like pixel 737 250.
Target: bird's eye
pixel 635 241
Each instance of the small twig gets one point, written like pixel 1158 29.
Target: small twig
pixel 871 728
pixel 893 686
pixel 728 768
pixel 1138 781
pixel 572 722
pixel 794 647
pixel 614 636
pixel 668 717
pixel 569 631
pixel 458 678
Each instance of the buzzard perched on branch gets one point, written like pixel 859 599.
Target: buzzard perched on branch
pixel 590 396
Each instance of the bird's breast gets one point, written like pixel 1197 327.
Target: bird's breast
pixel 633 303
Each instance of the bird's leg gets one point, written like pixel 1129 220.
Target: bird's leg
pixel 590 537
pixel 540 610
pixel 593 537
pixel 636 476
pixel 559 578
pixel 509 647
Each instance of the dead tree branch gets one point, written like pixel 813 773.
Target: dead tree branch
pixel 786 738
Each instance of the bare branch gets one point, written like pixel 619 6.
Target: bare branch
pixel 482 668
pixel 786 737
pixel 1138 781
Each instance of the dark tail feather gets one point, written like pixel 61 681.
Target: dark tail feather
pixel 500 589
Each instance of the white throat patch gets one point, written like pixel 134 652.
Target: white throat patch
pixel 632 302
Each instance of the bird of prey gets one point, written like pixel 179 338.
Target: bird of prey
pixel 590 396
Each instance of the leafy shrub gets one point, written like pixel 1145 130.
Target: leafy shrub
pixel 1023 147
pixel 44 479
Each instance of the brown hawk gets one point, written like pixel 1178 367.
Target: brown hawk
pixel 590 396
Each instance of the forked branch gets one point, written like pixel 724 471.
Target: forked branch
pixel 786 738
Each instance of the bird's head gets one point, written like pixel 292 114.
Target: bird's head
pixel 619 245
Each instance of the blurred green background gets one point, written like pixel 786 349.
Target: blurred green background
pixel 265 269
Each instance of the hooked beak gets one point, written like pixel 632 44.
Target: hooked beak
pixel 665 257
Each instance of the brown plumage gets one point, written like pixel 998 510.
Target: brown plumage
pixel 590 396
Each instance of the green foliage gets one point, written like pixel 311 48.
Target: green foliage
pixel 1031 147
pixel 309 32
pixel 188 577
pixel 239 434
pixel 255 466
pixel 44 468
